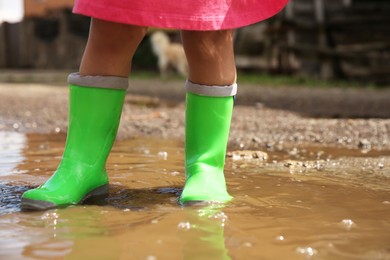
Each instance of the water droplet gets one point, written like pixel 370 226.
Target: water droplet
pixel 50 219
pixel 247 244
pixel 347 223
pixel 184 225
pixel 163 155
pixel 174 173
pixel 15 126
pixel 126 210
pixel 280 238
pixel 220 216
pixel 49 216
pixel 309 251
pixel 57 130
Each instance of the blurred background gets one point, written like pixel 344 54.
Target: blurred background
pixel 346 40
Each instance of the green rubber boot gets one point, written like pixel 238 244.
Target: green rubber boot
pixel 94 115
pixel 208 115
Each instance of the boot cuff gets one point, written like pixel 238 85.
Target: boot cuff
pixel 211 91
pixel 112 82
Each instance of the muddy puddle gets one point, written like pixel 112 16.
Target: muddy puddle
pixel 302 203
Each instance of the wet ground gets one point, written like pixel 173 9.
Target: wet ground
pixel 305 184
pixel 319 205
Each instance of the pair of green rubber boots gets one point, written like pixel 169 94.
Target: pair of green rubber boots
pixel 94 114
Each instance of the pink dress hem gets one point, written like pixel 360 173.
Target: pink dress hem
pixel 191 18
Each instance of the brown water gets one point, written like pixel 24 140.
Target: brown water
pixel 299 204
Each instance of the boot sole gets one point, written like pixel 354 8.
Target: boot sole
pixel 30 204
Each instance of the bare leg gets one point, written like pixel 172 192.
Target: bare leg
pixel 110 48
pixel 210 57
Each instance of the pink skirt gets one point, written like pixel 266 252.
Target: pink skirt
pixel 199 15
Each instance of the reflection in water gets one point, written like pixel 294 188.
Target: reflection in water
pixel 108 233
pixel 11 155
pixel 203 233
pixel 11 146
pixel 319 205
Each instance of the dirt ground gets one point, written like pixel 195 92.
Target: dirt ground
pixel 265 117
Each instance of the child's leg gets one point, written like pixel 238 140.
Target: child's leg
pixel 96 99
pixel 210 57
pixel 110 48
pixel 209 104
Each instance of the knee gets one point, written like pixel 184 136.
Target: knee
pixel 207 44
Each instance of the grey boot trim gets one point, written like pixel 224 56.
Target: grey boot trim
pixel 211 91
pixel 98 81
